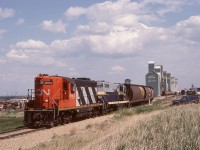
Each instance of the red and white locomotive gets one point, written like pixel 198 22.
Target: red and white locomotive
pixel 57 99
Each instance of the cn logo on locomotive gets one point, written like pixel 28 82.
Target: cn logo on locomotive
pixel 39 92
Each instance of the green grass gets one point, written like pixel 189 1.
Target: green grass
pixel 121 113
pixel 147 108
pixel 10 120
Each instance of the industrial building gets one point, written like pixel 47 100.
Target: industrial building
pixel 160 80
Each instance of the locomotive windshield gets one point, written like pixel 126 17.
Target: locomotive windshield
pixel 65 85
pixel 100 85
pixel 38 82
pixel 48 83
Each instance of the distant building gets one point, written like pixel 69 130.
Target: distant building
pixel 169 81
pixel 153 80
pixel 160 80
pixel 165 85
pixel 127 81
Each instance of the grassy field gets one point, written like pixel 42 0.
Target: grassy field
pixel 143 127
pixel 174 128
pixel 10 120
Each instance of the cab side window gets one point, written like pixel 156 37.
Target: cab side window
pixel 73 88
pixel 64 86
pixel 107 85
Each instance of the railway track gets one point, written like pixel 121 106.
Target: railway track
pixel 18 132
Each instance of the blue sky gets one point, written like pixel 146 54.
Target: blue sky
pixel 103 40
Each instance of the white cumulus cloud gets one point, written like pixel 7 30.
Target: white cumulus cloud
pixel 117 69
pixel 125 42
pixel 55 27
pixel 69 45
pixel 20 21
pixel 75 11
pixel 31 44
pixel 189 28
pixel 17 55
pixel 125 19
pixel 34 53
pixel 6 13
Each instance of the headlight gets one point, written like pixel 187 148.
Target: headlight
pixel 46 100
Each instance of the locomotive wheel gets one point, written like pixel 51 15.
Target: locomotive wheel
pixel 91 114
pixel 60 121
pixel 100 112
pixel 63 120
pixel 68 118
pixel 51 125
pixel 94 113
pixel 104 111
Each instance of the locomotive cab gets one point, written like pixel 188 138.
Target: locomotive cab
pixel 53 91
pixel 52 94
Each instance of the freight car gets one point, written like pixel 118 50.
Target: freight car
pixel 139 94
pixel 166 93
pixel 58 100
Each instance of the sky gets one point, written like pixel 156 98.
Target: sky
pixel 102 40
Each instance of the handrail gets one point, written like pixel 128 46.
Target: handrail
pixel 54 99
pixel 55 104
